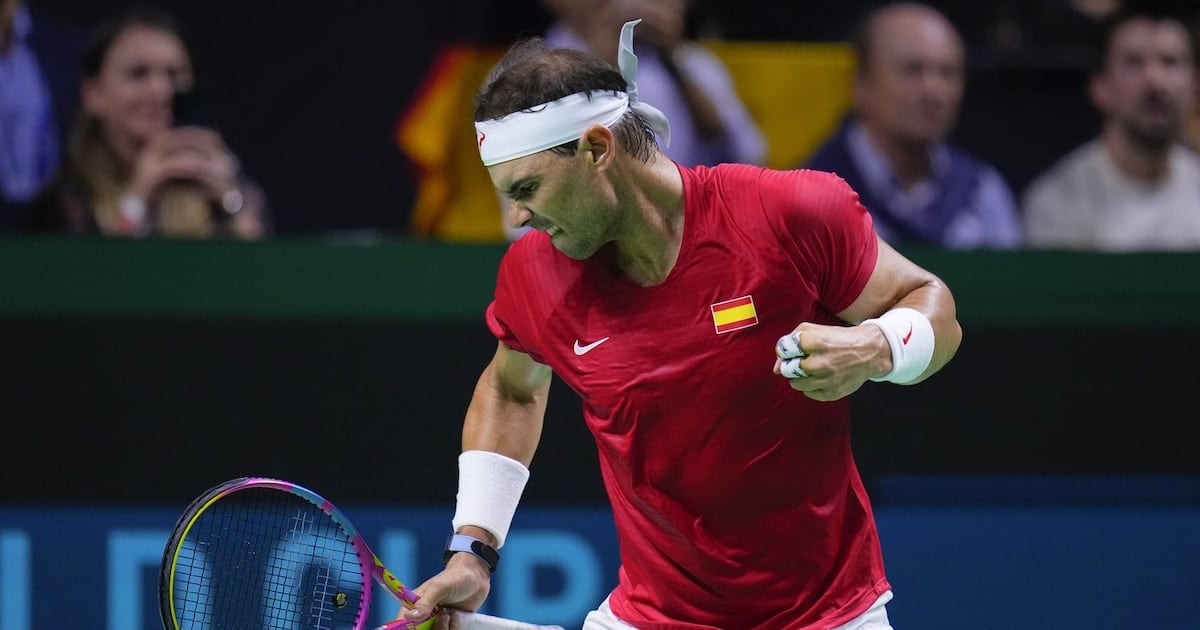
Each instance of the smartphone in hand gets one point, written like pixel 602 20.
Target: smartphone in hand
pixel 189 109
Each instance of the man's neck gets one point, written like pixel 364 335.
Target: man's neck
pixel 910 163
pixel 649 247
pixel 1136 160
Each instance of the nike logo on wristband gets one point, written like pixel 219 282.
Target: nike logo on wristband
pixel 582 350
pixel 908 336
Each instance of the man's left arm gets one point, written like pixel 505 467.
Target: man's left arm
pixel 905 329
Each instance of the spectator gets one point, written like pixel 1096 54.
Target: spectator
pixel 1193 126
pixel 38 96
pixel 132 168
pixel 892 147
pixel 1135 186
pixel 709 123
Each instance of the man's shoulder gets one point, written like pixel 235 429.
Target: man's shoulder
pixel 725 174
pixel 737 184
pixel 730 182
pixel 1069 169
pixel 730 170
pixel 1065 189
pixel 833 151
pixel 1189 158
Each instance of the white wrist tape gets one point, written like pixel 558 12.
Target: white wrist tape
pixel 489 488
pixel 910 336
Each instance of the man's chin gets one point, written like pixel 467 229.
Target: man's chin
pixel 572 254
pixel 922 139
pixel 1155 136
pixel 571 249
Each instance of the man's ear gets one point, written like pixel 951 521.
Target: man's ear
pixel 598 145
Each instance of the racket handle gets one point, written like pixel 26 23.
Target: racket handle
pixel 480 621
pixel 472 621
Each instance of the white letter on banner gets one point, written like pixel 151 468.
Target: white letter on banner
pixel 15 577
pixel 129 552
pixel 568 553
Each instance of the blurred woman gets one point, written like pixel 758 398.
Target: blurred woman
pixel 132 168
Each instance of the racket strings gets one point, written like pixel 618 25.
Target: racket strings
pixel 262 558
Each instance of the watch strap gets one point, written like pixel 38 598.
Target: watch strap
pixel 469 544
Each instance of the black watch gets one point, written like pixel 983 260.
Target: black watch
pixel 474 546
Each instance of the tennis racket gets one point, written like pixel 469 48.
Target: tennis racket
pixel 256 553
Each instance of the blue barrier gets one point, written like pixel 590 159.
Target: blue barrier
pixel 1010 554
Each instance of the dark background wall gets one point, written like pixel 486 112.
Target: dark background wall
pixel 146 411
pixel 308 93
pixel 144 372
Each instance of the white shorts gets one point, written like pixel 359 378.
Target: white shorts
pixel 874 619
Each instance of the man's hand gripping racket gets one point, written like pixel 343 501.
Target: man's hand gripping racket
pixel 264 553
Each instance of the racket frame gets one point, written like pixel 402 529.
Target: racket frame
pixel 375 568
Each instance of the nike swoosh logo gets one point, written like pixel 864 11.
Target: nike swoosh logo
pixel 582 350
pixel 904 341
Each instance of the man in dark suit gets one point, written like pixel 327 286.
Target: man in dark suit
pixel 893 149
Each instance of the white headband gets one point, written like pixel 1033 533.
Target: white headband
pixel 550 124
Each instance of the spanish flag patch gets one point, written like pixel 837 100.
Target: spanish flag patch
pixel 734 314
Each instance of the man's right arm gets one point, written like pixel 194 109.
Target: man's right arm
pixel 507 408
pixel 504 419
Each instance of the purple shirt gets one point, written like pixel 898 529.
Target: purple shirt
pixel 29 150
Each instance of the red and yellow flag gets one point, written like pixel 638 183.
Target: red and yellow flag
pixel 734 314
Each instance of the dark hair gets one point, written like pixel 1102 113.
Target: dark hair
pixel 1181 11
pixel 106 32
pixel 531 73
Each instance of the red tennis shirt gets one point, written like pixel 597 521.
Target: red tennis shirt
pixel 736 499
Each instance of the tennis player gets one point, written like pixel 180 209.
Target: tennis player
pixel 713 322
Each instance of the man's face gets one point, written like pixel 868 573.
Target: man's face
pixel 1148 83
pixel 911 87
pixel 557 194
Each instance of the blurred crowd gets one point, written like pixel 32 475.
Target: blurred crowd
pixel 112 140
pixel 107 128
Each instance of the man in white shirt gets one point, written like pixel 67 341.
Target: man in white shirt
pixel 1136 186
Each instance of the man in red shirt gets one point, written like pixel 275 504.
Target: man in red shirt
pixel 713 321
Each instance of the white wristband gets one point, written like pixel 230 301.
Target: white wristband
pixel 910 336
pixel 489 488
